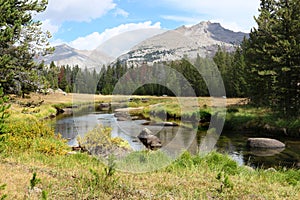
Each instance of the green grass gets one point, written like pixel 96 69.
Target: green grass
pixel 81 176
pixel 252 118
pixel 143 161
pixel 30 146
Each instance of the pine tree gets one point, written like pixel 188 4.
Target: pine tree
pixel 273 56
pixel 21 39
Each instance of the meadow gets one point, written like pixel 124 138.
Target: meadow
pixel 35 163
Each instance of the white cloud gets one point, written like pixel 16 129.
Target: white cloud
pixel 47 25
pixel 93 40
pixel 55 42
pixel 121 12
pixel 239 12
pixel 75 10
pixel 186 20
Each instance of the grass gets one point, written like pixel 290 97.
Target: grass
pixel 81 176
pixel 261 120
pixel 34 164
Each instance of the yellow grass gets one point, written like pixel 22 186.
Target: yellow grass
pixel 57 98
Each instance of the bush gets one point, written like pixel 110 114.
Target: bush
pixel 4 106
pixel 99 142
pixel 31 135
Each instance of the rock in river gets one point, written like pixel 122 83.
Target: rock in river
pixel 264 143
pixel 149 140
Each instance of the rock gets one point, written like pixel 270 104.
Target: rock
pixel 50 91
pixel 67 111
pixel 160 123
pixel 122 116
pixel 60 91
pixel 271 169
pixel 149 140
pixel 79 148
pixel 264 143
pixel 166 124
pixel 71 153
pixel 104 106
pixel 248 168
pixel 51 116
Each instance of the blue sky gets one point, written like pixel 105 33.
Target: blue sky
pixel 85 24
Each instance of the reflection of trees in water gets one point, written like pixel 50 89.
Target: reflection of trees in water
pixel 269 158
pixel 235 145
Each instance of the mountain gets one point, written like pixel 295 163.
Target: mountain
pixel 203 39
pixel 122 43
pixel 103 54
pixel 66 55
pixel 151 45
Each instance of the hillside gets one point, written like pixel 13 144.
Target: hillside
pixel 151 45
pixel 66 55
pixel 203 39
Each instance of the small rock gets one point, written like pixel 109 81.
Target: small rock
pixel 35 190
pixel 71 153
pixel 68 111
pixel 149 140
pixel 79 148
pixel 160 124
pixel 249 168
pixel 51 116
pixel 271 169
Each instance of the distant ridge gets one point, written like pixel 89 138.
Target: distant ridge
pixel 202 39
pixel 66 55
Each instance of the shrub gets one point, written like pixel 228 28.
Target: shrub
pixel 4 106
pixel 31 135
pixel 99 141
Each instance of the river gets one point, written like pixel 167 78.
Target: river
pixel 231 143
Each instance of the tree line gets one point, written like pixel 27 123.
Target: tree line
pixel 265 68
pixel 179 75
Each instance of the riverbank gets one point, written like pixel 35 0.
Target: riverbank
pixel 33 147
pixel 80 176
pixel 239 115
pixel 262 121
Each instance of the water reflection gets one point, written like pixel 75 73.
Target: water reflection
pixel 176 139
pixel 235 145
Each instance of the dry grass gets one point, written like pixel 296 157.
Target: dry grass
pixel 69 178
pixel 57 98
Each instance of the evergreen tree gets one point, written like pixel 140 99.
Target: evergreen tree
pixel 232 68
pixel 21 39
pixel 273 56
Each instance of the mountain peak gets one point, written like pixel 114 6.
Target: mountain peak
pixel 153 46
pixel 202 38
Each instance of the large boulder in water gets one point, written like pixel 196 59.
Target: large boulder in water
pixel 264 143
pixel 149 140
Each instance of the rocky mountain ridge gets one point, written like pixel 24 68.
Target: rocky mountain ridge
pixel 202 39
pixel 66 55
